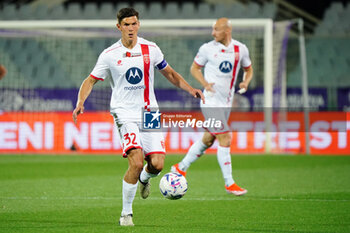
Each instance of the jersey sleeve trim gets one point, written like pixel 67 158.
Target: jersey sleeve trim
pixel 101 79
pixel 198 64
pixel 247 67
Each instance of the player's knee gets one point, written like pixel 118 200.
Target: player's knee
pixel 208 140
pixel 208 143
pixel 158 167
pixel 137 166
pixel 157 164
pixel 136 160
pixel 224 140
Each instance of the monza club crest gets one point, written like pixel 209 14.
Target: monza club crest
pixel 146 58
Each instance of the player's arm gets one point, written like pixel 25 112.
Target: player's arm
pixel 196 71
pixel 247 77
pixel 84 92
pixel 178 81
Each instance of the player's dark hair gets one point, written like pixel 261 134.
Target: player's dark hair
pixel 126 12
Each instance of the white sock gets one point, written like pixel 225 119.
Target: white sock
pixel 224 159
pixel 129 191
pixel 145 176
pixel 194 153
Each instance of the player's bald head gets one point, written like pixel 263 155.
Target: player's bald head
pixel 224 23
pixel 222 30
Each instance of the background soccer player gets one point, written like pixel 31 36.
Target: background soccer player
pixel 221 59
pixel 129 63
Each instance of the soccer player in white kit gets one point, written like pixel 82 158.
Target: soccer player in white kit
pixel 221 59
pixel 130 63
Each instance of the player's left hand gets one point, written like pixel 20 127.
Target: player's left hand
pixel 78 110
pixel 243 85
pixel 196 93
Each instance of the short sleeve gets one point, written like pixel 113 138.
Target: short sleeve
pixel 246 62
pixel 201 58
pixel 101 69
pixel 159 61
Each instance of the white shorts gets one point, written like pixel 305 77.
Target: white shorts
pixel 217 114
pixel 131 137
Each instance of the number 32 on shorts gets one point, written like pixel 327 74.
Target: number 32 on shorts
pixel 129 139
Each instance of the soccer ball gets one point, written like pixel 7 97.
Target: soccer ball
pixel 173 186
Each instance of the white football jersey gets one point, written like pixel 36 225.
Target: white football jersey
pixel 131 73
pixel 221 66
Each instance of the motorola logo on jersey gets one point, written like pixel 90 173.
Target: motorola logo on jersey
pixel 134 75
pixel 225 67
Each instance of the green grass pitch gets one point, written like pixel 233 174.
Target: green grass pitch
pixel 83 194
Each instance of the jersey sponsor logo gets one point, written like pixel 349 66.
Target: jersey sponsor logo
pixel 132 88
pixel 128 54
pixel 225 67
pixel 227 51
pixel 134 75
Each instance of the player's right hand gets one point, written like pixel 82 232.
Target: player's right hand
pixel 79 109
pixel 196 93
pixel 209 87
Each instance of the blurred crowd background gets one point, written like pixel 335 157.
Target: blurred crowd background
pixel 326 25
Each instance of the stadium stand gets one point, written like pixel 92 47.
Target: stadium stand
pixel 90 11
pixel 106 11
pixel 335 22
pixel 152 10
pixel 57 12
pixel 9 12
pixel 328 52
pixel 268 10
pixel 74 11
pixel 204 11
pixel 188 11
pixel 172 10
pixel 41 12
pixel 220 10
pixel 156 11
pixel 141 8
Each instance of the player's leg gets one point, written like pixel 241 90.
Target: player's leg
pixel 155 164
pixel 135 159
pixel 194 153
pixel 200 146
pixel 130 140
pixel 154 155
pixel 224 159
